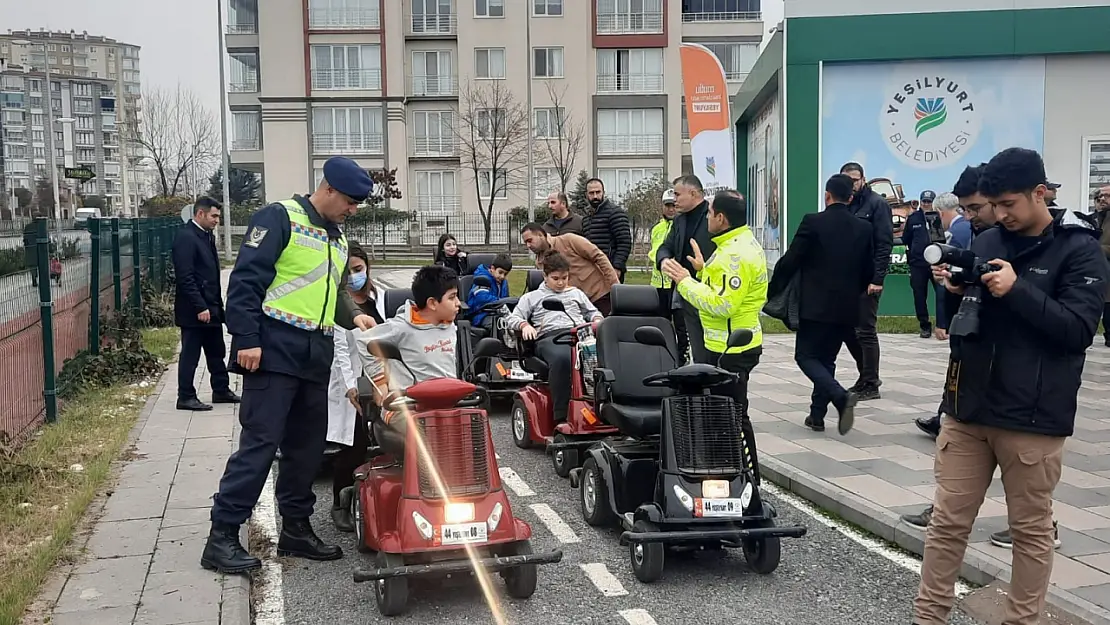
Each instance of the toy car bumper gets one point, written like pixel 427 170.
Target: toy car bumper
pixel 699 536
pixel 492 564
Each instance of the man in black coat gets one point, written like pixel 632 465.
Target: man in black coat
pixel 607 227
pixel 874 209
pixel 199 307
pixel 832 250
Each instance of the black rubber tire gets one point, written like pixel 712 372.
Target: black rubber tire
pixel 521 581
pixel 518 422
pixel 565 461
pixel 647 562
pixel 391 595
pixel 357 519
pixel 763 554
pixel 592 484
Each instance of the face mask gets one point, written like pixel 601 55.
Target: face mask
pixel 357 280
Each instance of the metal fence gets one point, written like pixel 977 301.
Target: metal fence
pixel 53 303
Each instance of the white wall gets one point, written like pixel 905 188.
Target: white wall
pixel 1077 98
pixel 828 8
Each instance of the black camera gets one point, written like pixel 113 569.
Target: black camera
pixel 967 267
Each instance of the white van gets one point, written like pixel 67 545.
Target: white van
pixel 82 215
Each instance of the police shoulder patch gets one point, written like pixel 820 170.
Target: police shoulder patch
pixel 734 282
pixel 255 236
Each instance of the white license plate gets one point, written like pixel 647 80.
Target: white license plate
pixel 463 533
pixel 718 508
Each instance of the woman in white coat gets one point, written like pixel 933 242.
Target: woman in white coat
pixel 346 426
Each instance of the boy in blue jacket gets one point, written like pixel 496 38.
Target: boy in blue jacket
pixel 490 284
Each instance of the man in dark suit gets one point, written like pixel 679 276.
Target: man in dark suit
pixel 199 307
pixel 833 251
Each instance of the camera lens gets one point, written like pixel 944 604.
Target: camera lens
pixel 933 254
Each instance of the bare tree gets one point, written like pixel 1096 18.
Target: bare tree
pixel 492 129
pixel 179 135
pixel 562 139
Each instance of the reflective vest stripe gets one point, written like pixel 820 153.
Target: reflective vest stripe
pixel 298 283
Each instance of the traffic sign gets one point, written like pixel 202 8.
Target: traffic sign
pixel 84 174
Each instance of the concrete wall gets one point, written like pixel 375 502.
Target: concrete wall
pixel 1077 101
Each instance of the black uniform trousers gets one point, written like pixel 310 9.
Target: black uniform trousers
pixel 921 277
pixel 677 319
pixel 193 341
pixel 696 337
pixel 864 342
pixel 283 411
pixel 741 364
pixel 816 347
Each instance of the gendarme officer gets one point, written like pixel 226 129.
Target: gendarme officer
pixel 285 296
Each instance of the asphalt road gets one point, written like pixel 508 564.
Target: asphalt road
pixel 825 577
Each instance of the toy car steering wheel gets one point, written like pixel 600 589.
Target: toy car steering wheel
pixel 657 380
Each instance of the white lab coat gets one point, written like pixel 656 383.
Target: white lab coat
pixel 346 367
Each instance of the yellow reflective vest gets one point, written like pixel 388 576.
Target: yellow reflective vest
pixel 659 234
pixel 309 270
pixel 730 290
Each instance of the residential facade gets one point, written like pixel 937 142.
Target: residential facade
pixel 391 84
pixel 86 73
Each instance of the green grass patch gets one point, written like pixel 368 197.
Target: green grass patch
pixel 47 485
pixel 162 342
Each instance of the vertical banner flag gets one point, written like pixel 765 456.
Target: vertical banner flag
pixel 708 117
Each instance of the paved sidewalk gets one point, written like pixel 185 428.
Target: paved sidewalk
pixel 142 563
pixel 884 467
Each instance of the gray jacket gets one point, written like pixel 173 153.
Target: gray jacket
pixel 530 310
pixel 428 349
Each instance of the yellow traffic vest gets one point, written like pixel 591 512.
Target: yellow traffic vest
pixel 659 234
pixel 730 290
pixel 306 285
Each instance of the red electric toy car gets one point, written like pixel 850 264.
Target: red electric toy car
pixel 533 416
pixel 430 501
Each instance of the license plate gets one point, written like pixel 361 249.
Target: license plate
pixel 718 508
pixel 463 533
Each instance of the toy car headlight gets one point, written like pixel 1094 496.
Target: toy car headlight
pixel 746 496
pixel 423 526
pixel 458 513
pixel 714 489
pixel 495 517
pixel 684 498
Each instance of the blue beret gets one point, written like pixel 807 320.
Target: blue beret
pixel 928 196
pixel 348 178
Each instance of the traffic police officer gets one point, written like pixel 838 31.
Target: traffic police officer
pixel 285 296
pixel 729 293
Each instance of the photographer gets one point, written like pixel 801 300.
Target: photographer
pixel 1012 381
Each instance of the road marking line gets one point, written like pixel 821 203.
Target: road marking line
pixel 554 523
pixel 270 606
pixel 515 484
pixel 637 617
pixel 603 580
pixel 874 545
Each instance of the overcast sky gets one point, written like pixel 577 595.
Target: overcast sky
pixel 191 57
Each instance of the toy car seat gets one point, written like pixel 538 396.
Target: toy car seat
pixel 625 403
pixel 534 280
pixel 467 279
pixel 394 300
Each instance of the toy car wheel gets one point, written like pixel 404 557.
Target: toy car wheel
pixel 392 594
pixel 763 554
pixel 564 460
pixel 647 558
pixel 520 582
pixel 358 519
pixel 520 425
pixel 593 495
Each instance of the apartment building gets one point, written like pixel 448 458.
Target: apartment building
pixel 379 81
pixel 86 72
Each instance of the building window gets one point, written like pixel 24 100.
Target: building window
pixel 55 86
pixel 547 62
pixel 620 180
pixel 489 62
pixel 720 10
pixel 84 123
pixel 38 136
pixel 84 138
pixel 545 180
pixel 242 19
pixel 341 14
pixel 433 133
pixel 490 123
pixel 617 17
pixel 35 85
pixel 737 59
pixel 347 130
pixel 432 73
pixel 634 71
pixel 244 72
pixel 86 155
pixel 549 122
pixel 547 8
pixel 489 185
pixel 629 131
pixel 246 128
pixel 352 67
pixel 489 8
pixel 1097 155
pixel 38 153
pixel 59 136
pixel 436 191
pixel 436 17
pixel 56 104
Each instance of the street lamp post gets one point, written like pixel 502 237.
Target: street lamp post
pixel 223 137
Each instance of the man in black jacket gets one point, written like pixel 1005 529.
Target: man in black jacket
pixel 874 209
pixel 1013 386
pixel 199 307
pixel 832 250
pixel 690 224
pixel 607 227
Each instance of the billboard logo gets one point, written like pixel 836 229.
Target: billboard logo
pixel 930 121
pixel 711 166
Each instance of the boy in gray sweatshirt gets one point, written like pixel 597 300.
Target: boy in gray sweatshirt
pixel 539 324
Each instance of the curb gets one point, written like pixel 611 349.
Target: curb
pixel 978 568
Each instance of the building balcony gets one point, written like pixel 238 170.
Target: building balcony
pixel 748 16
pixel 243 85
pixel 629 23
pixel 433 25
pixel 436 204
pixel 244 144
pixel 363 143
pixel 736 76
pixel 347 79
pixel 434 147
pixel 433 86
pixel 242 29
pixel 629 145
pixel 630 83
pixel 343 19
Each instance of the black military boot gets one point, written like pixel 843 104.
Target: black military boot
pixel 225 554
pixel 299 541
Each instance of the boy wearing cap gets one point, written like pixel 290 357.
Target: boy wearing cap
pixel 285 296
